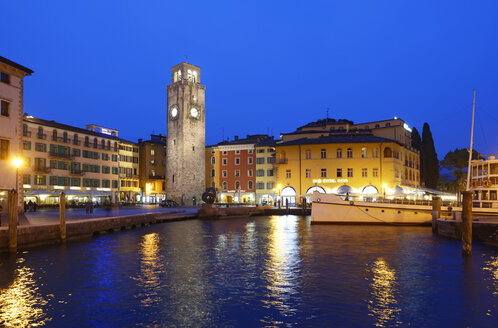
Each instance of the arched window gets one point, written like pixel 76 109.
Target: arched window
pixel 75 139
pixel 54 135
pixel 108 145
pixel 64 136
pixel 194 76
pixel 115 146
pixel 339 152
pixel 87 141
pixel 315 188
pixel 95 143
pixel 388 153
pixel 225 185
pixel 288 195
pixel 370 190
pixel 102 142
pixel 350 153
pixel 342 190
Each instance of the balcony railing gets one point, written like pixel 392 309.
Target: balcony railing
pixel 76 172
pixel 60 155
pixel 26 134
pixel 281 160
pixel 61 139
pixel 156 177
pixel 42 136
pixel 41 169
pixel 76 142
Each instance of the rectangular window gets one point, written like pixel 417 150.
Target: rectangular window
pixel 260 173
pixel 26 145
pixel 287 174
pixel 249 185
pixel 350 172
pixel 260 185
pixel 259 151
pixel 4 149
pixel 339 153
pixel 308 173
pixel 224 152
pixel 249 173
pixel 224 161
pixel 350 153
pixel 270 185
pixel 152 152
pixel 323 154
pixel 4 77
pixel 249 160
pixel 237 173
pixel 375 172
pixel 269 173
pixel 213 160
pixel 260 160
pixel 375 153
pixel 364 152
pixel 26 179
pixel 4 108
pixel 249 151
pixel 224 173
pixel 237 160
pixel 114 183
pixel 308 154
pixel 323 173
pixel 339 173
pixel 237 152
pixel 364 173
pixel 152 162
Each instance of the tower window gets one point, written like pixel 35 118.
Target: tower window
pixel 193 148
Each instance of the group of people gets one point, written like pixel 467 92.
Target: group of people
pixel 30 206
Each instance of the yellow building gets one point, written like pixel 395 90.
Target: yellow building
pixel 152 169
pixel 129 189
pixel 213 174
pixel 339 157
pixel 266 176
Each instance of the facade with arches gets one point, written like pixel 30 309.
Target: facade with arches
pixel 347 163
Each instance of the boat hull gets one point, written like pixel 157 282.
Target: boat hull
pixel 329 208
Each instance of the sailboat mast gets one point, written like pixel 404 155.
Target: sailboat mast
pixel 471 140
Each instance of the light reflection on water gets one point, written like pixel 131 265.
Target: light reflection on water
pixel 383 304
pixel 266 271
pixel 21 304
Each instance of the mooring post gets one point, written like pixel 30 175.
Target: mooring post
pixel 62 215
pixel 436 212
pixel 304 205
pixel 467 223
pixel 287 206
pixel 13 218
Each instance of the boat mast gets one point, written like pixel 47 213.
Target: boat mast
pixel 471 140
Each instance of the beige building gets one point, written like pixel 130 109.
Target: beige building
pixel 266 175
pixel 152 157
pixel 82 162
pixel 186 135
pixel 129 188
pixel 11 113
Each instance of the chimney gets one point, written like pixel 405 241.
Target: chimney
pixel 139 140
pixel 236 138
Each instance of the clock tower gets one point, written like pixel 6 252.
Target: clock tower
pixel 186 134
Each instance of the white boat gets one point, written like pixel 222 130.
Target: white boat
pixel 332 208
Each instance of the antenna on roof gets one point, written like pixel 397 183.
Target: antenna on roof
pixel 223 134
pixel 328 113
pixel 186 58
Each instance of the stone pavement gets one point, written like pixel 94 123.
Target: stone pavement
pixel 51 216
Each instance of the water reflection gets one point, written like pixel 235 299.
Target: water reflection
pixel 282 269
pixel 21 305
pixel 491 266
pixel 150 268
pixel 383 305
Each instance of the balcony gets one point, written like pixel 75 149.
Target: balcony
pixel 26 134
pixel 61 139
pixel 156 177
pixel 281 160
pixel 42 136
pixel 76 142
pixel 60 155
pixel 76 172
pixel 127 176
pixel 41 169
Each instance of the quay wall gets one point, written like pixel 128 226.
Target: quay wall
pixel 36 235
pixel 483 231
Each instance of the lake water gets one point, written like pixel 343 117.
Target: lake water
pixel 252 272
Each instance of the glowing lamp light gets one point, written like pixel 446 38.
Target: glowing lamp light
pixel 17 162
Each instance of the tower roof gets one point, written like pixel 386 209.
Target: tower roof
pixel 185 64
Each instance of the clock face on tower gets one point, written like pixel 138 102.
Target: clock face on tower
pixel 174 112
pixel 194 112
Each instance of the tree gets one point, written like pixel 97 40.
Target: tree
pixel 457 161
pixel 429 164
pixel 416 141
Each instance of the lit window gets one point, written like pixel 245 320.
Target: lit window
pixel 152 152
pixel 364 152
pixel 288 174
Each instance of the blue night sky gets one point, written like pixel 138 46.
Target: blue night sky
pixel 268 66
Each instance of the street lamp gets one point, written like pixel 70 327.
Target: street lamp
pixel 17 162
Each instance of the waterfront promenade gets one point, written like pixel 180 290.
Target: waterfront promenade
pixel 51 216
